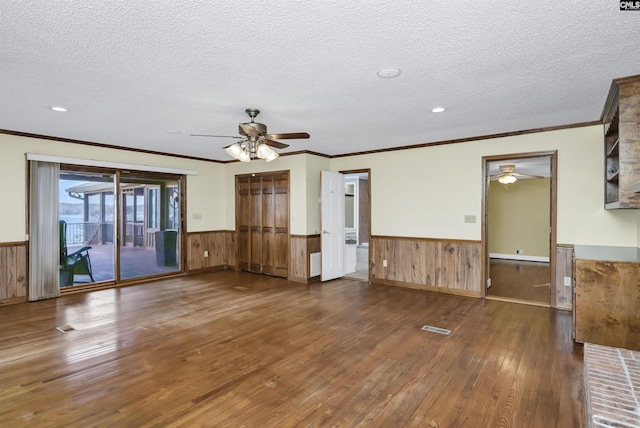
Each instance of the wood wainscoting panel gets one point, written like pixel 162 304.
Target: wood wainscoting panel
pixel 302 246
pixel 564 268
pixel 221 247
pixel 450 266
pixel 13 272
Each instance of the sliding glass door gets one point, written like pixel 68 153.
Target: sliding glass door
pixel 86 216
pixel 104 237
pixel 150 228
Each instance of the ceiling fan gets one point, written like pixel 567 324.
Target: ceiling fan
pixel 254 140
pixel 509 176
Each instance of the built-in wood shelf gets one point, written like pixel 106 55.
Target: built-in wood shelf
pixel 621 119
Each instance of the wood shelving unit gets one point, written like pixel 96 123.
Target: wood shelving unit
pixel 621 118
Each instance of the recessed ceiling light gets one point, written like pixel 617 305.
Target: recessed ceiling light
pixel 438 110
pixel 389 72
pixel 174 131
pixel 58 108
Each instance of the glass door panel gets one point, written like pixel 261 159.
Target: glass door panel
pixel 86 214
pixel 150 230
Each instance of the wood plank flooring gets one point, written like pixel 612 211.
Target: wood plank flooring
pixel 232 349
pixel 514 279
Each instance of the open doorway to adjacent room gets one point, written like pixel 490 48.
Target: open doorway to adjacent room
pixel 519 227
pixel 357 223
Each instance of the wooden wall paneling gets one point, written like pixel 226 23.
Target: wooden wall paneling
pixel 433 263
pixel 194 249
pixel 449 260
pixel 220 245
pixel 419 262
pixel 564 268
pixel 298 270
pixel 469 268
pixel 607 302
pixel 399 263
pixel 376 247
pixel 13 272
pixel 232 249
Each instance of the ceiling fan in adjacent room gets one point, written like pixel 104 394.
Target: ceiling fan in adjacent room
pixel 254 140
pixel 509 176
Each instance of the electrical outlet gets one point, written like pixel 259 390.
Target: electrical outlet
pixel 567 281
pixel 384 263
pixel 206 254
pixel 197 216
pixel 519 251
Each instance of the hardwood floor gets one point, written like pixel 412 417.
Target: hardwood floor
pixel 231 349
pixel 520 280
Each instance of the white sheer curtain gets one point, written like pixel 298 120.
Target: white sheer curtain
pixel 44 245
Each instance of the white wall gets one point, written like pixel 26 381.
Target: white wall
pixel 427 192
pixel 205 192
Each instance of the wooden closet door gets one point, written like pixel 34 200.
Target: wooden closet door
pixel 268 226
pixel 281 224
pixel 255 213
pixel 243 219
pixel 262 216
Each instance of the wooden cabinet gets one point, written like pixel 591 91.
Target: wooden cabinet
pixel 621 118
pixel 262 223
pixel 607 299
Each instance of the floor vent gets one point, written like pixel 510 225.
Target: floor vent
pixel 436 330
pixel 240 288
pixel 65 329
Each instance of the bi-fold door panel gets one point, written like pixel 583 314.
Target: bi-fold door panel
pixel 263 223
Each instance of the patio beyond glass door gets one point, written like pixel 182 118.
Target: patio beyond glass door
pixel 86 216
pixel 149 230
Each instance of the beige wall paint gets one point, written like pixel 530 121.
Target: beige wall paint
pixel 427 192
pixel 519 217
pixel 304 170
pixel 422 192
pixel 204 196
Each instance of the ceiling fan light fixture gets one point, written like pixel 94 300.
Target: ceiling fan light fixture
pixel 263 151
pixel 272 156
pixel 234 150
pixel 507 179
pixel 244 156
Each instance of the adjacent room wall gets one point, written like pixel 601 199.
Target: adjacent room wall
pixel 519 217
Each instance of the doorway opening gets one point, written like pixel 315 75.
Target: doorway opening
pixel 357 220
pixel 519 228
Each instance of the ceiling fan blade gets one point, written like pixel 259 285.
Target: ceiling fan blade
pixel 276 144
pixel 218 136
pixel 249 130
pixel 526 175
pixel 288 136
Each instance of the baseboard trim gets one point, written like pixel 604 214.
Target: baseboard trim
pixel 457 292
pixel 520 257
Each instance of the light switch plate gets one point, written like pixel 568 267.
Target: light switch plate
pixel 469 219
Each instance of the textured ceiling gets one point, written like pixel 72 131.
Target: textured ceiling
pixel 146 74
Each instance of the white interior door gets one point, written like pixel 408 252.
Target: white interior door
pixel 332 210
